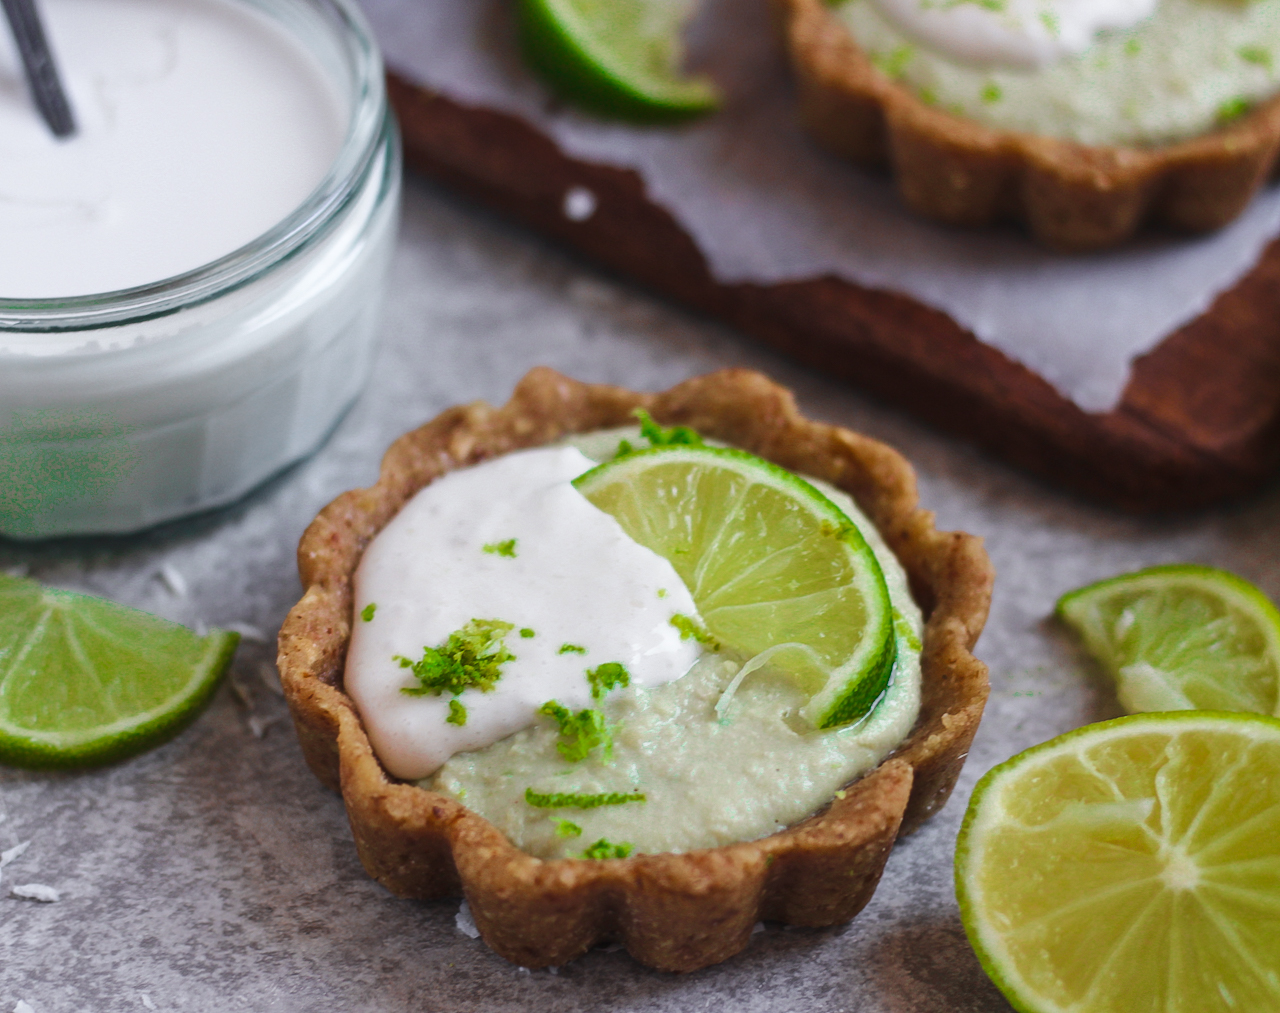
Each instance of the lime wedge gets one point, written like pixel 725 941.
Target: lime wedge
pixel 1182 638
pixel 1130 867
pixel 772 564
pixel 618 57
pixel 85 681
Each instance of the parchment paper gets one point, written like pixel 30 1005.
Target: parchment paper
pixel 764 205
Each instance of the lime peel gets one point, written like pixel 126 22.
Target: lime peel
pixel 1181 637
pixel 618 57
pixel 773 566
pixel 87 681
pixel 1129 861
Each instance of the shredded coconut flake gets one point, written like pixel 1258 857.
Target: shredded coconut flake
pixel 579 204
pixel 15 852
pixel 270 678
pixel 174 580
pixel 36 891
pixel 146 1000
pixel 248 631
pixel 23 1007
pixel 465 923
pixel 259 725
pixel 241 692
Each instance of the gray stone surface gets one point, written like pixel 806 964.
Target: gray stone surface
pixel 215 874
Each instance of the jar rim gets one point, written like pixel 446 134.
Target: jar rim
pixel 285 239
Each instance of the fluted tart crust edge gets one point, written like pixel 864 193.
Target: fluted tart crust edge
pixel 672 912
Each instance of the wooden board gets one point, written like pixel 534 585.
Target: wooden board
pixel 1199 422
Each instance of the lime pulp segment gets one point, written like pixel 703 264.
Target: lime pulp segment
pixel 84 680
pixel 619 57
pixel 1131 867
pixel 772 564
pixel 1182 638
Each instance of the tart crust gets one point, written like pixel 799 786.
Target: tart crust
pixel 674 912
pixel 1071 196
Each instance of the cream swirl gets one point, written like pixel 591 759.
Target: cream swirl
pixel 1017 34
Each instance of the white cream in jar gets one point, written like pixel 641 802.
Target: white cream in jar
pixel 201 124
pixel 189 286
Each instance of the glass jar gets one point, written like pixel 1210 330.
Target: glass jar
pixel 123 410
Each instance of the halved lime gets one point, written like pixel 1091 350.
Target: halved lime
pixel 1182 638
pixel 1130 867
pixel 619 57
pixel 771 564
pixel 84 680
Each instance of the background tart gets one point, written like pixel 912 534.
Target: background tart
pixel 1070 196
pixel 674 912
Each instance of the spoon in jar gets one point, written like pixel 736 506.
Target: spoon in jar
pixel 41 71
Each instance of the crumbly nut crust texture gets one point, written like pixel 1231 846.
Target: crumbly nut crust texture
pixel 1070 196
pixel 675 912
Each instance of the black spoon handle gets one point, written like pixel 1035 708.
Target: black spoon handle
pixel 37 61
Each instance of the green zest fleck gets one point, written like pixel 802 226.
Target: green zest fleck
pixel 1133 47
pixel 905 631
pixel 691 629
pixel 928 96
pixel 526 632
pixel 675 436
pixel 571 649
pixel 579 733
pixel 367 612
pixel 507 548
pixel 1233 109
pixel 1051 23
pixel 1256 55
pixel 457 714
pixel 991 93
pixel 472 658
pixel 662 592
pixel 894 63
pixel 577 800
pixel 603 849
pixel 566 829
pixel 603 678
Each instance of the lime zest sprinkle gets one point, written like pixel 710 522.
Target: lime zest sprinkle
pixel 1233 108
pixel 367 612
pixel 905 631
pixel 579 733
pixel 457 713
pixel 894 63
pixel 471 658
pixel 991 93
pixel 568 648
pixel 580 800
pixel 566 828
pixel 1133 47
pixel 691 629
pixel 507 548
pixel 1255 54
pixel 526 632
pixel 658 436
pixel 603 678
pixel 603 849
pixel 662 592
pixel 1054 27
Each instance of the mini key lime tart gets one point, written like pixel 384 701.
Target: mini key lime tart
pixel 1085 121
pixel 649 684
